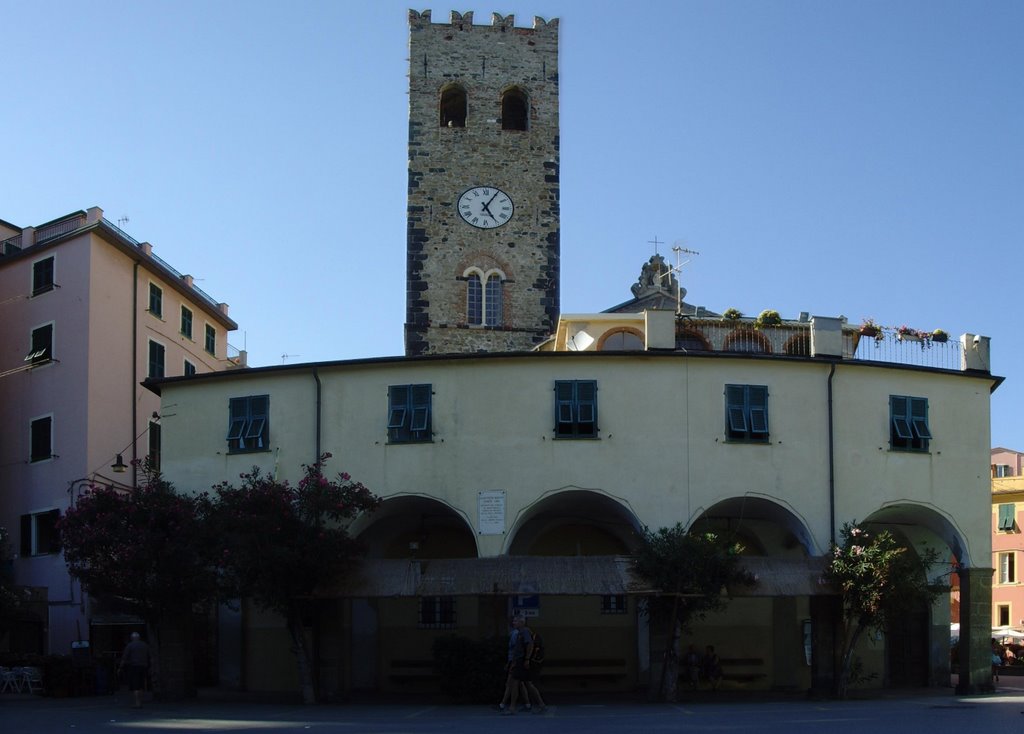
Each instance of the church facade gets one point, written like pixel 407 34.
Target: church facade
pixel 521 453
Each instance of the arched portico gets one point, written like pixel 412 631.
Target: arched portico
pixel 917 650
pixel 574 522
pixel 765 526
pixel 416 526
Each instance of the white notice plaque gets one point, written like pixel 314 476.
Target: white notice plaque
pixel 490 507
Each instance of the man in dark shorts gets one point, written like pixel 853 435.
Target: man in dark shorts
pixel 136 660
pixel 520 648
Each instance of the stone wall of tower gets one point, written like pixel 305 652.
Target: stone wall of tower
pixel 446 161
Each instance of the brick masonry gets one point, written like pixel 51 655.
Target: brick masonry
pixel 445 161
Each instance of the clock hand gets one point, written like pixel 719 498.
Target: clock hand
pixel 487 206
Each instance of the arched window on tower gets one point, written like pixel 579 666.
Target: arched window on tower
pixel 515 109
pixel 484 298
pixel 493 300
pixel 453 106
pixel 474 300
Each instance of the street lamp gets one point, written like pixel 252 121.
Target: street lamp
pixel 119 467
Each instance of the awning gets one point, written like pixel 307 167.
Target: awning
pixel 554 576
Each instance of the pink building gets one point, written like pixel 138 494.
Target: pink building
pixel 88 313
pixel 1007 542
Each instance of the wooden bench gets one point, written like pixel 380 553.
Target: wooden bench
pixel 729 671
pixel 605 669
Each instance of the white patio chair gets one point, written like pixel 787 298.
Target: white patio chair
pixel 32 678
pixel 10 680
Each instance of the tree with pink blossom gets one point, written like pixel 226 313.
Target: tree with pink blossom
pixel 280 543
pixel 147 550
pixel 879 580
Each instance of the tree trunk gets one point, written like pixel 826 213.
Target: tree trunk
pixel 670 664
pixel 301 656
pixel 850 642
pixel 172 665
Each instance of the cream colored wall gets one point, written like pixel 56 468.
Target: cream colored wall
pixel 662 455
pixel 662 451
pixel 951 478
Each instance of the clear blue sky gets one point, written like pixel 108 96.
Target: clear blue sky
pixel 850 157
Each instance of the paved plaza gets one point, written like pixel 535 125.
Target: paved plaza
pixel 932 711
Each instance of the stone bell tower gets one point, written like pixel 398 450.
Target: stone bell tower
pixel 482 270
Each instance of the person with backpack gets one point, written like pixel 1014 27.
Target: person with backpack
pixel 528 684
pixel 520 654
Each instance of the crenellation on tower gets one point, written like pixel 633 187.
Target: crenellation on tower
pixel 483 184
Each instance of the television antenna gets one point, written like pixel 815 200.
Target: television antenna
pixel 286 357
pixel 677 271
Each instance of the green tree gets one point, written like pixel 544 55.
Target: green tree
pixel 879 580
pixel 151 549
pixel 689 570
pixel 279 543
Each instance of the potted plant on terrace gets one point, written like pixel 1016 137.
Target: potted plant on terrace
pixel 905 334
pixel 732 314
pixel 939 336
pixel 768 317
pixel 870 329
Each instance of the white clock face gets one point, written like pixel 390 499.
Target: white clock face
pixel 485 207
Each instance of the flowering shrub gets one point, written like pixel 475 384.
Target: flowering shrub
pixel 150 547
pixel 279 543
pixel 878 580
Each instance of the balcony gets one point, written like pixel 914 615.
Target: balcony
pixel 794 339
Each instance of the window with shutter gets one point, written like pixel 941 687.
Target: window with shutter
pixel 41 349
pixel 409 413
pixel 41 439
pixel 746 413
pixel 186 322
pixel 156 360
pixel 42 276
pixel 1007 517
pixel 576 409
pixel 908 423
pixel 248 424
pixel 156 300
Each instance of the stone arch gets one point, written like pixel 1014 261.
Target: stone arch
pixel 616 339
pixel 747 340
pixel 919 523
pixel 574 521
pixel 453 105
pixel 416 526
pixel 765 526
pixel 798 345
pixel 917 642
pixel 691 340
pixel 484 262
pixel 515 109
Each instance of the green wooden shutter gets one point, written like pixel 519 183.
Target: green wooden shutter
pixel 736 415
pixel 757 402
pixel 899 412
pixel 565 395
pixel 1007 517
pixel 919 417
pixel 586 408
pixel 419 423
